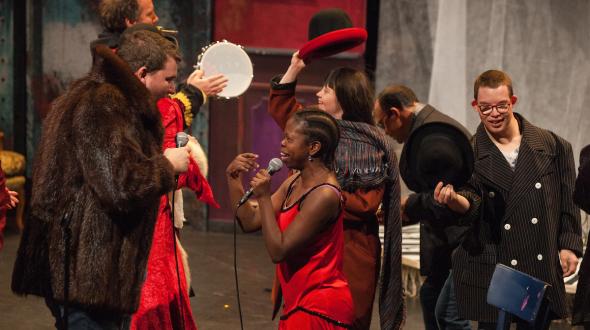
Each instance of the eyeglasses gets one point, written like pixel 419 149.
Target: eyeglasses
pixel 487 109
pixel 378 117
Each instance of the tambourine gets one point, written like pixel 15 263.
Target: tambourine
pixel 230 60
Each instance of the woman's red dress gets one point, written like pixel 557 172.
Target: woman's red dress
pixel 315 291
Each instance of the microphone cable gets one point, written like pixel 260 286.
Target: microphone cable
pixel 181 140
pixel 274 165
pixel 180 306
pixel 236 267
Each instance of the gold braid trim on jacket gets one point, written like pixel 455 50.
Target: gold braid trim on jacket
pixel 188 107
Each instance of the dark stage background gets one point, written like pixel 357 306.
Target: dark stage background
pixel 435 47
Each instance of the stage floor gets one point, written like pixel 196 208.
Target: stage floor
pixel 214 306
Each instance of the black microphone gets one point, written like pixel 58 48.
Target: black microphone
pixel 181 139
pixel 274 166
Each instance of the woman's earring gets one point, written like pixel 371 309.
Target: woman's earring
pixel 310 159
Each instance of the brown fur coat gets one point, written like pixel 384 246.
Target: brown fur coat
pixel 100 162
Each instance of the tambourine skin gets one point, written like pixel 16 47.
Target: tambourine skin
pixel 230 60
pixel 332 43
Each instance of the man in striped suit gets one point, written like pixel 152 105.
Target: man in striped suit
pixel 518 203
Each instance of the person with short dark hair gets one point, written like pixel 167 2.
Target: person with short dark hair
pixel 302 223
pixel 366 167
pixel 118 15
pixel 97 181
pixel 401 114
pixel 518 204
pixel 408 106
pixel 139 47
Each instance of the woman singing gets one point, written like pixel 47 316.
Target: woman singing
pixel 302 223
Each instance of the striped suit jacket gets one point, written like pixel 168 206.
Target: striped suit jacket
pixel 528 217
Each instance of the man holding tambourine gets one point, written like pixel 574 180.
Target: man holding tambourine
pixel 116 16
pixel 167 273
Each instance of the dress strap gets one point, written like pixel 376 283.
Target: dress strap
pixel 302 198
pixel 334 188
pixel 290 190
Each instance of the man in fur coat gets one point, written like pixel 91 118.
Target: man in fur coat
pixel 97 181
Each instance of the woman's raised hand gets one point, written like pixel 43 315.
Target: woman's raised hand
pixel 297 62
pixel 242 163
pixel 295 67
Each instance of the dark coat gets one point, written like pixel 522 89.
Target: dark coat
pixel 100 163
pixel 438 238
pixel 582 199
pixel 529 217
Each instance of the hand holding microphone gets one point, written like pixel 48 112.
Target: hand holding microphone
pixel 179 156
pixel 261 182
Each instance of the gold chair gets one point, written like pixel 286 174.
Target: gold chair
pixel 13 165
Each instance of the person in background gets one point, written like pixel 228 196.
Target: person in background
pixel 581 311
pixel 401 114
pixel 118 15
pixel 8 201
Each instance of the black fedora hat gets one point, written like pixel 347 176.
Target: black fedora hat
pixel 331 32
pixel 436 152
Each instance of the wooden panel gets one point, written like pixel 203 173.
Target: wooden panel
pixel 276 24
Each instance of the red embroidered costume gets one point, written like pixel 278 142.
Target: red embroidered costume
pixel 161 306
